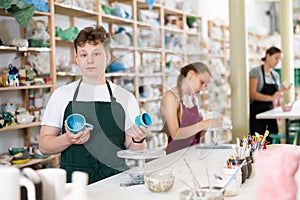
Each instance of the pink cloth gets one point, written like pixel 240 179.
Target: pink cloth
pixel 276 169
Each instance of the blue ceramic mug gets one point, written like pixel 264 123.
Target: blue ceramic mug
pixel 143 120
pixel 76 123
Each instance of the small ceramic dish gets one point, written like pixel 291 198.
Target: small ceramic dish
pixel 21 156
pixel 20 161
pixel 159 181
pixel 24 119
pixel 14 150
pixel 287 107
pixel 38 154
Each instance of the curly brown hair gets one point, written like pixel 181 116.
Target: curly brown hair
pixel 93 35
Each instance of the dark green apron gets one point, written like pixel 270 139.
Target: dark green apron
pixel 97 156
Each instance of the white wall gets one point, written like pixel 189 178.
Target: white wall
pixel 218 11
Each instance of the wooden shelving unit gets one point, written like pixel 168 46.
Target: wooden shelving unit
pixel 139 53
pixel 53 159
pixel 218 49
pixel 219 38
pixel 25 90
pixel 257 48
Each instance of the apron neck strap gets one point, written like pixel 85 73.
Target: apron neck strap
pixel 112 98
pixel 263 73
pixel 76 91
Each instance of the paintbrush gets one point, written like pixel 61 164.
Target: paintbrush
pixel 264 138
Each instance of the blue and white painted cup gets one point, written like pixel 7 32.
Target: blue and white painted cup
pixel 76 123
pixel 143 120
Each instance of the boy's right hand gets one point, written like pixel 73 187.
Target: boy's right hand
pixel 79 138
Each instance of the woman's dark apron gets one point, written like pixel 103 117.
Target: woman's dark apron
pixel 259 125
pixel 190 116
pixel 97 156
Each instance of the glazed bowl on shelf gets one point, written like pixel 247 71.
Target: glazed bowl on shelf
pixel 15 150
pixel 20 157
pixel 159 181
pixel 24 119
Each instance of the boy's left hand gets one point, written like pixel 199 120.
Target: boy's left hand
pixel 137 133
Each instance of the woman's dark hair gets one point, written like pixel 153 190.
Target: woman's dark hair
pixel 197 67
pixel 271 51
pixel 93 35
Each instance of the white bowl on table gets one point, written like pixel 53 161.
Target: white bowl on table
pixel 159 181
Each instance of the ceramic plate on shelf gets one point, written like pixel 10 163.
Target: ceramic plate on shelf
pixel 20 161
pixel 141 153
pixel 40 156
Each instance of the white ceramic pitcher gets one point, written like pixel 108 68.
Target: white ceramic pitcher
pixel 11 181
pixel 55 186
pixel 53 183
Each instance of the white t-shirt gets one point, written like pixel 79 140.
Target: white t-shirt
pixel 60 98
pixel 257 73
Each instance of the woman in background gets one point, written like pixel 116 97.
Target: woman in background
pixel 180 111
pixel 264 90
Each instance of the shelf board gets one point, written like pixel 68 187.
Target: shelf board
pixel 169 51
pixel 147 26
pixel 38 49
pixel 143 25
pixel 153 74
pixel 35 161
pixel 116 20
pixel 61 42
pixel 19 126
pixel 143 5
pixel 172 11
pixel 25 87
pixel 39 13
pixel 122 48
pixel 150 49
pixel 35 14
pixel 193 15
pixel 69 10
pixel 25 49
pixel 173 30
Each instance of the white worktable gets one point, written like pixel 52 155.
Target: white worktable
pixel 279 113
pixel 199 159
